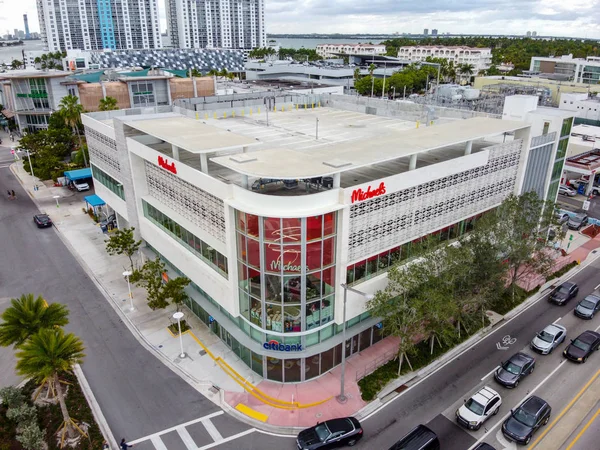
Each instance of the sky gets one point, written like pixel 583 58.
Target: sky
pixel 579 18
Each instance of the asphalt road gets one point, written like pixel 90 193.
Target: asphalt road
pixel 137 393
pixel 574 204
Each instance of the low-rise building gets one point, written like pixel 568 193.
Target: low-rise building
pixel 479 58
pixel 582 105
pixel 333 50
pixel 567 68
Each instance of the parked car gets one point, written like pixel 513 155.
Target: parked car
pixel 331 433
pixel 512 371
pixel 562 216
pixel 549 338
pixel 42 220
pixel 479 408
pixel 588 307
pixel 81 185
pixel 526 419
pixel 582 346
pixel 577 221
pixel 566 190
pixel 420 438
pixel 563 293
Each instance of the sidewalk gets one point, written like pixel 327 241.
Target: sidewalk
pixel 210 366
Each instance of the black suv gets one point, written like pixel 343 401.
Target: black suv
pixel 526 419
pixel 330 434
pixel 514 370
pixel 563 293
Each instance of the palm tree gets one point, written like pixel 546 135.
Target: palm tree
pixel 71 110
pixel 26 316
pixel 223 73
pixel 356 74
pixel 230 76
pixel 45 356
pixel 213 72
pixel 372 68
pixel 37 60
pixel 108 104
pixel 15 64
pixel 196 73
pixel 466 69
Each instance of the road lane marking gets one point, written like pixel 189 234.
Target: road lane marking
pixel 597 287
pixel 493 370
pixel 157 442
pixel 481 439
pixel 186 438
pixel 587 425
pixel 565 410
pixel 554 323
pixel 597 328
pixel 212 430
pixel 235 436
pixel 492 332
pixel 168 430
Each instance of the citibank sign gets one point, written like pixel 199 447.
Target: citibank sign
pixel 274 345
pixel 164 163
pixel 358 195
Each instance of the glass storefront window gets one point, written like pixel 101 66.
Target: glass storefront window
pixel 274 319
pixel 274 369
pixel 327 360
pixel 255 311
pixel 252 225
pixel 254 279
pixel 326 333
pixel 240 223
pixel 292 319
pixel 312 366
pixel 293 369
pixel 272 228
pixel 292 259
pixel 292 289
pixel 329 224
pixel 257 363
pixel 273 257
pixel 273 288
pixel 291 230
pixel 314 228
pixel 313 255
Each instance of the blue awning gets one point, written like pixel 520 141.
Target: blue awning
pixel 94 200
pixel 78 174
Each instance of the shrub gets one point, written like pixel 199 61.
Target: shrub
pixel 559 273
pixel 24 415
pixel 32 437
pixel 12 397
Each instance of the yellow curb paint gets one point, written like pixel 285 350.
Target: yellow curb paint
pixel 584 429
pixel 257 415
pixel 565 410
pixel 197 116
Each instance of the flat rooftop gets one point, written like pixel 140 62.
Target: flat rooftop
pixel 192 135
pixel 291 164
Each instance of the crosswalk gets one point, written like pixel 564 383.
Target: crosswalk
pixel 197 434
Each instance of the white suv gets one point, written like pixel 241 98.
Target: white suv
pixel 479 408
pixel 81 186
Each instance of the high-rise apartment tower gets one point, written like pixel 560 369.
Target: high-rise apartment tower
pixel 99 24
pixel 26 23
pixel 216 23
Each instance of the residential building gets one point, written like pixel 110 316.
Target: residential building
pixel 216 23
pixel 26 24
pixel 434 32
pixel 335 50
pixel 480 58
pixel 567 68
pixel 550 133
pixel 582 105
pixel 425 31
pixel 97 25
pixel 31 96
pixel 267 233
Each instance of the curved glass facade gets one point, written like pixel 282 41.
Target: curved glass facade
pixel 286 271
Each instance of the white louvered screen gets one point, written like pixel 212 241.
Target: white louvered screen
pixel 390 220
pixel 103 151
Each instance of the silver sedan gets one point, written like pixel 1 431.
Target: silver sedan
pixel 549 338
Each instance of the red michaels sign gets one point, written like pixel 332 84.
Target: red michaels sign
pixel 358 195
pixel 164 163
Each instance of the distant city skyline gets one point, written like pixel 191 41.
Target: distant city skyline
pixel 575 18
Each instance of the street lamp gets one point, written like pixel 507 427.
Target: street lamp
pixel 56 197
pixel 178 316
pixel 127 274
pixel 342 397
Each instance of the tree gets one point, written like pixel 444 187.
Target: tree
pixel 26 316
pixel 517 231
pixel 71 110
pixel 108 104
pixel 37 60
pixel 123 242
pixel 356 74
pixel 223 73
pixel 230 76
pixel 467 70
pixel 196 73
pixel 45 356
pixel 48 149
pixel 174 291
pixel 149 276
pixel 371 69
pixel 16 64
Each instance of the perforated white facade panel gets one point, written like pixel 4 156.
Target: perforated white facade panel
pixel 103 151
pixel 196 205
pixel 390 220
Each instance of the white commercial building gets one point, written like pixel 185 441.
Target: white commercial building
pixel 216 23
pixel 267 232
pixel 479 58
pixel 581 104
pixel 567 68
pixel 334 50
pixel 99 24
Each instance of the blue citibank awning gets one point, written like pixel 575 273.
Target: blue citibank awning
pixel 78 174
pixel 94 200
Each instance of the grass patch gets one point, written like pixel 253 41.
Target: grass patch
pixel 419 357
pixel 50 419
